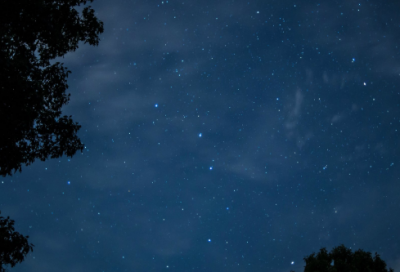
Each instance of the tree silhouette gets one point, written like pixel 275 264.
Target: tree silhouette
pixel 341 259
pixel 32 91
pixel 13 246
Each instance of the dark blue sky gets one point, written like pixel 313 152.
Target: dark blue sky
pixel 222 136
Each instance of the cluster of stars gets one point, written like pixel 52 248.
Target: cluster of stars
pixel 200 134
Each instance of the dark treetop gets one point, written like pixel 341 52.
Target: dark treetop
pixel 342 259
pixel 32 91
pixel 13 246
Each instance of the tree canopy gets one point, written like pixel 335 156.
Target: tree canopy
pixel 342 259
pixel 13 246
pixel 32 91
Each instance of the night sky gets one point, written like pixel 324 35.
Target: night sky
pixel 222 136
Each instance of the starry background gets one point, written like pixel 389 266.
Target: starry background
pixel 222 136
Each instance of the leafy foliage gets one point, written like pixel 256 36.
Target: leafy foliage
pixel 32 91
pixel 341 259
pixel 13 246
